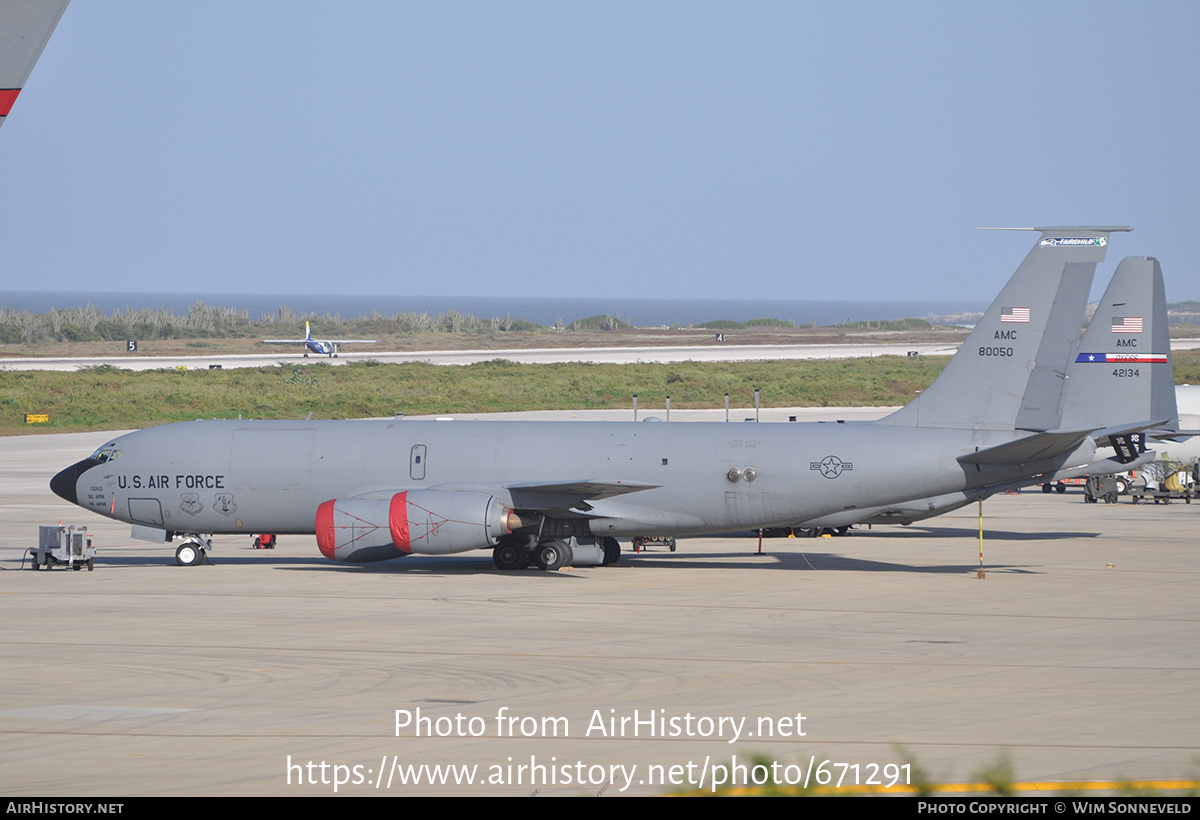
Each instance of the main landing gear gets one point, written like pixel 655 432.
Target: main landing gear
pixel 508 556
pixel 193 551
pixel 515 552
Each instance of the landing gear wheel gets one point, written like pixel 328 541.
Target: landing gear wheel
pixel 612 551
pixel 509 557
pixel 189 554
pixel 1060 488
pixel 553 556
pixel 1047 488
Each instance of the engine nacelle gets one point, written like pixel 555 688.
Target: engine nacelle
pixel 427 522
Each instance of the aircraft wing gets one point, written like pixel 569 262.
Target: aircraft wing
pixel 327 341
pixel 566 495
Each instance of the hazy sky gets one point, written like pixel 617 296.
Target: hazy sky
pixel 713 150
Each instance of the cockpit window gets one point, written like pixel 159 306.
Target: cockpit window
pixel 107 453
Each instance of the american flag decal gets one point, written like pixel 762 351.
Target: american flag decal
pixel 1015 314
pixel 1121 358
pixel 1127 324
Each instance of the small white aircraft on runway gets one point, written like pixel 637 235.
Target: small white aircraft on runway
pixel 323 347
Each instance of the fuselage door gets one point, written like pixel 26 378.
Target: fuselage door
pixel 416 463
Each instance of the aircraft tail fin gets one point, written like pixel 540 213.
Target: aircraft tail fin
pixel 1010 372
pixel 25 28
pixel 307 332
pixel 1122 372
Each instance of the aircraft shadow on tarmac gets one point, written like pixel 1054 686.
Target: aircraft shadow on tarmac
pixel 971 533
pixel 778 554
pixel 792 561
pixel 459 565
pixel 788 554
pixel 802 561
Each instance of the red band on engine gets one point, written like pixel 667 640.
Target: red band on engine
pixel 8 96
pixel 326 537
pixel 398 522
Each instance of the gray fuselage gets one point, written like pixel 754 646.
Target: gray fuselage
pixel 268 476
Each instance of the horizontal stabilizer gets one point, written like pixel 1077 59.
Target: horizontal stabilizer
pixel 1037 447
pixel 1107 466
pixel 1129 440
pixel 1126 429
pixel 1172 435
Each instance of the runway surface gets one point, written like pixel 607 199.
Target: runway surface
pixel 604 355
pixel 595 355
pixel 1077 656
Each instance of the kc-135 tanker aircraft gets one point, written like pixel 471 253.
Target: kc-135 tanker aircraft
pixel 1002 414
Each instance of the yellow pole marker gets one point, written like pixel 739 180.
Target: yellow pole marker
pixel 980 573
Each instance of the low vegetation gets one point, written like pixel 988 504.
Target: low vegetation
pixel 729 324
pixel 897 324
pixel 207 322
pixel 108 398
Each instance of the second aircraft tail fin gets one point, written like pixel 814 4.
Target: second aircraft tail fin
pixel 1122 372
